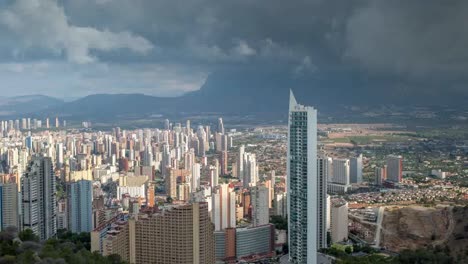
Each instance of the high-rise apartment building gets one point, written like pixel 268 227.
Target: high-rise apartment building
pixel 380 175
pixel 80 209
pixel 339 220
pixel 341 171
pixel 224 207
pixel 62 214
pixel 224 162
pixel 171 184
pixel 240 162
pixel 177 234
pixel 220 126
pixel 250 170
pixel 340 179
pixel 9 205
pixel 395 168
pixel 355 169
pixel 59 155
pixel 195 177
pixel 39 198
pixel 306 222
pixel 260 208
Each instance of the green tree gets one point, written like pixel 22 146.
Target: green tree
pixel 28 235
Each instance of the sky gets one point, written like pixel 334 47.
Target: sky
pixel 73 48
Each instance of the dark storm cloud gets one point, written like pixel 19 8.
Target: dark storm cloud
pixel 418 38
pixel 170 47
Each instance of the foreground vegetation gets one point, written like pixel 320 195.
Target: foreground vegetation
pixel 24 247
pixel 367 255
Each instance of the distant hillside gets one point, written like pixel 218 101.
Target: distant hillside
pixel 259 92
pixel 21 105
pixel 101 106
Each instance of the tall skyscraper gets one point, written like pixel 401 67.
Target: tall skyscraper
pixel 39 198
pixel 339 220
pixel 250 177
pixel 59 155
pixel 355 169
pixel 260 207
pixel 340 179
pixel 9 205
pixel 28 142
pixel 224 207
pixel 220 126
pixel 307 221
pixel 188 127
pixel 395 168
pixel 195 178
pixel 167 124
pixel 80 210
pixel 380 175
pixel 224 162
pixel 341 171
pixel 147 156
pixel 171 184
pixel 214 177
pixel 189 159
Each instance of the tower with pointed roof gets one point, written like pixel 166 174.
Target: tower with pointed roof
pixel 306 188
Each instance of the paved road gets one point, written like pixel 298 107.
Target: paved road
pixel 378 230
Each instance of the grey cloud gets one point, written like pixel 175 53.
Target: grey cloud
pixel 43 23
pixel 305 67
pixel 415 38
pixel 412 44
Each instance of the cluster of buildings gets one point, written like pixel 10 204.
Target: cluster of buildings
pixel 174 195
pixel 402 196
pixel 27 124
pixel 123 185
pixel 343 175
pixel 391 173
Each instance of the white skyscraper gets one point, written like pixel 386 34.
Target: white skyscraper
pixel 214 177
pixel 341 171
pixel 220 126
pixel 306 199
pixel 251 170
pixel 224 207
pixel 355 169
pixel 240 162
pixel 59 155
pixel 340 179
pixel 195 178
pixel 339 220
pixel 147 156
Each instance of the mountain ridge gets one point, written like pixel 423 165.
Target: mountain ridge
pixel 252 92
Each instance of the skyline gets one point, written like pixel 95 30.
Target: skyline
pixel 159 131
pixel 255 193
pixel 87 47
